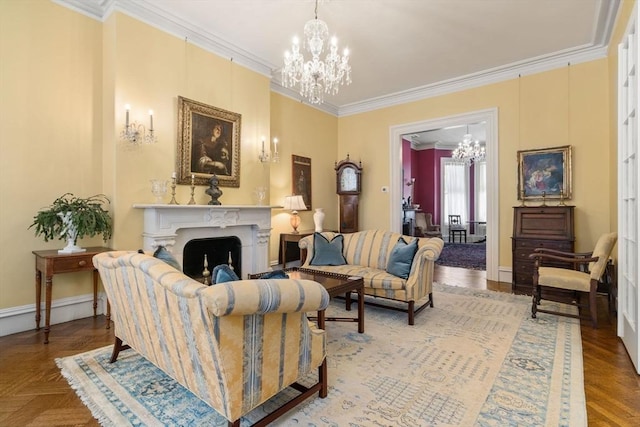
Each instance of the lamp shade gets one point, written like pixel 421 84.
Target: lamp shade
pixel 294 203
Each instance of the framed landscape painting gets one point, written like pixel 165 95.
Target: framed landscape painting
pixel 208 143
pixel 545 173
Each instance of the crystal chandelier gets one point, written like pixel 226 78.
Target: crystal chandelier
pixel 468 151
pixel 316 76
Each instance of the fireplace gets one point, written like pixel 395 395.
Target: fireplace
pixel 219 250
pixel 174 226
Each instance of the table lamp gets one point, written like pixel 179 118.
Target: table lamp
pixel 293 203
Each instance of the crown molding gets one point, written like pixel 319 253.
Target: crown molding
pixel 145 11
pixel 483 78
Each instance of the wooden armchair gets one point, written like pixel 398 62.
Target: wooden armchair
pixel 587 271
pixel 425 227
pixel 456 228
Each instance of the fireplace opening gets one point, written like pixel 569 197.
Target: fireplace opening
pixel 218 251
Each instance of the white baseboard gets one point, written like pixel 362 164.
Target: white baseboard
pixel 505 274
pixel 23 318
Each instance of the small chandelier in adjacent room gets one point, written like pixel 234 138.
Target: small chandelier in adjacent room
pixel 316 76
pixel 469 150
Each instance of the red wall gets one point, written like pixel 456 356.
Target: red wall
pixel 426 170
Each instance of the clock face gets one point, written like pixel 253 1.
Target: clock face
pixel 348 180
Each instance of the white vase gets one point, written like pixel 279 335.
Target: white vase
pixel 70 233
pixel 318 219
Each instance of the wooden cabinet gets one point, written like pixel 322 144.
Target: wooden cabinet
pixel 537 227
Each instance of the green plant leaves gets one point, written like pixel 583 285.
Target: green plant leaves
pixel 89 215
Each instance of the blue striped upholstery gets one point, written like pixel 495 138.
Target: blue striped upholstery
pixel 367 253
pixel 234 345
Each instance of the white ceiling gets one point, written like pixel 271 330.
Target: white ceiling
pixel 400 49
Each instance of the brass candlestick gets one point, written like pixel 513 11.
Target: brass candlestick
pixel 205 272
pixel 173 192
pixel 192 201
pixel 544 199
pixel 561 197
pixel 522 198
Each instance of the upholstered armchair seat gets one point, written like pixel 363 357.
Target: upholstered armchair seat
pixel 587 270
pixel 234 345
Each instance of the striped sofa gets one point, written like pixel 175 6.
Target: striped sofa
pixel 367 252
pixel 234 345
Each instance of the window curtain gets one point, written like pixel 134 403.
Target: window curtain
pixel 455 191
pixel 481 191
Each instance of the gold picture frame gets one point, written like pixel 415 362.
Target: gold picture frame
pixel 208 143
pixel 301 178
pixel 545 174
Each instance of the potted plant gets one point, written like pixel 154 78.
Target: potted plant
pixel 72 218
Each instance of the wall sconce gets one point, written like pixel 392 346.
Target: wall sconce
pixel 135 132
pixel 264 156
pixel 293 203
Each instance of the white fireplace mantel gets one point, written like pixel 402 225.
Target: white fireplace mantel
pixel 173 226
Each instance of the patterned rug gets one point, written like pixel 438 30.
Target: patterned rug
pixel 476 358
pixel 464 255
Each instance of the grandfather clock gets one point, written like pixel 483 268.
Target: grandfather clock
pixel 348 187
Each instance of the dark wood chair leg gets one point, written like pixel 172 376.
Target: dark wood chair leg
pixel 593 309
pixel 323 379
pixel 117 348
pixel 235 423
pixel 535 291
pixel 410 310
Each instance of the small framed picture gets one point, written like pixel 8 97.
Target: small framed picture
pixel 544 173
pixel 301 178
pixel 208 144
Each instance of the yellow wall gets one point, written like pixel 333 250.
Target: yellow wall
pixel 51 132
pixel 62 108
pixel 308 132
pixel 545 121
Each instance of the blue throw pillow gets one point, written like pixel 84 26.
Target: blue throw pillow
pixel 401 258
pixel 327 252
pixel 163 254
pixel 275 274
pixel 223 273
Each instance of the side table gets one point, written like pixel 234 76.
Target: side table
pixel 50 262
pixel 286 238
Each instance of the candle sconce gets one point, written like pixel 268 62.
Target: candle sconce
pixel 135 132
pixel 266 155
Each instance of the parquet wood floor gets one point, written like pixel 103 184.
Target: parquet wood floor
pixel 34 393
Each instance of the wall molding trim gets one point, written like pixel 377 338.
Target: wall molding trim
pixel 22 318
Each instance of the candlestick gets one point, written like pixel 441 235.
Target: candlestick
pixel 151 120
pixel 192 201
pixel 522 197
pixel 173 190
pixel 127 107
pixel 205 272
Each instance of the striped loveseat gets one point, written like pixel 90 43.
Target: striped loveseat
pixel 367 253
pixel 234 345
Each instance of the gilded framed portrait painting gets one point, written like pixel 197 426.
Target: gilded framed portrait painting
pixel 545 173
pixel 208 144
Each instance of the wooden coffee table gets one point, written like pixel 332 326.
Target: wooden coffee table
pixel 335 284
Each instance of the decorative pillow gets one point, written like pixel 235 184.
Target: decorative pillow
pixel 327 253
pixel 223 273
pixel 401 258
pixel 275 274
pixel 163 254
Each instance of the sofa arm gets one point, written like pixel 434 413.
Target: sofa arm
pixel 246 297
pixel 420 279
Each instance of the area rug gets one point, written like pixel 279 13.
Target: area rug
pixel 476 358
pixel 464 255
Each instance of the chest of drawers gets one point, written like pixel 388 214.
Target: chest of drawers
pixel 536 227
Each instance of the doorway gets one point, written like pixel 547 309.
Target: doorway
pixel 490 116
